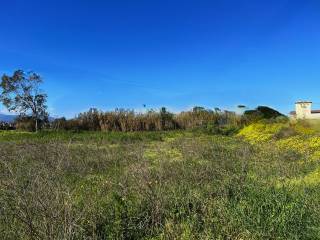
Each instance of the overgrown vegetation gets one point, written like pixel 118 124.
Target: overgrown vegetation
pixel 130 121
pixel 21 93
pixel 262 183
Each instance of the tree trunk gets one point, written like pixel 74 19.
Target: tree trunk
pixel 36 124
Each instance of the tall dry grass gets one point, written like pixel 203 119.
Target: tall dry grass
pixel 129 121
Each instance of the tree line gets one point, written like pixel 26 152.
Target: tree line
pixel 129 121
pixel 22 94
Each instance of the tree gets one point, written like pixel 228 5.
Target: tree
pixel 241 106
pixel 21 93
pixel 241 109
pixel 217 110
pixel 198 109
pixel 262 112
pixel 166 118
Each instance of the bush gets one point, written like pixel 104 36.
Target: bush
pixel 226 130
pixel 28 123
pixel 261 113
pixel 285 132
pixel 24 123
pixel 6 126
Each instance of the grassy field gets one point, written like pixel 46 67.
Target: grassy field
pixel 262 183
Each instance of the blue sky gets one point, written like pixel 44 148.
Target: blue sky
pixel 109 54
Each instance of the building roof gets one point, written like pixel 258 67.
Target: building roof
pixel 292 113
pixel 303 102
pixel 312 112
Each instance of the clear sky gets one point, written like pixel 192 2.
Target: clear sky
pixel 218 53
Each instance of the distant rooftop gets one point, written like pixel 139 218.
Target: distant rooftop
pixel 312 112
pixel 303 102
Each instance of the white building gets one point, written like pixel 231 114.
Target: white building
pixel 304 111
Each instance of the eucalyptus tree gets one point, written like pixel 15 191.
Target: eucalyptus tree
pixel 21 93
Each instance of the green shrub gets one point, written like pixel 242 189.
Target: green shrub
pixel 263 113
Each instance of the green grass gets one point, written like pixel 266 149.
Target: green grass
pixel 153 185
pixel 82 136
